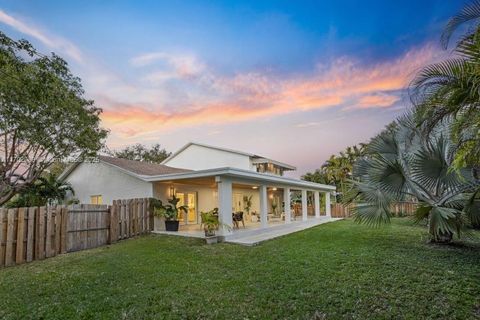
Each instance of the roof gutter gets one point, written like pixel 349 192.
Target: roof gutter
pixel 239 173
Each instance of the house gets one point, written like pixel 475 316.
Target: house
pixel 204 177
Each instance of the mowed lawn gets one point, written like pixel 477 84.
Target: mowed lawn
pixel 339 270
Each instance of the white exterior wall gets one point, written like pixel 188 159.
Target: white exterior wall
pixel 196 157
pixel 90 179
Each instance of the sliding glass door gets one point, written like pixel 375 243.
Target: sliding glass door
pixel 188 199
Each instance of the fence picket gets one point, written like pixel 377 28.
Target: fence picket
pixel 19 257
pixel 10 236
pixel 3 234
pixel 58 227
pixel 48 233
pixel 30 233
pixel 35 233
pixel 64 230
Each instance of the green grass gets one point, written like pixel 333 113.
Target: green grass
pixel 339 270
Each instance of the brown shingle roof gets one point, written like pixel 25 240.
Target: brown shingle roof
pixel 140 167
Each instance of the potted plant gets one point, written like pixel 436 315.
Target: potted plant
pixel 169 212
pixel 274 207
pixel 247 204
pixel 210 225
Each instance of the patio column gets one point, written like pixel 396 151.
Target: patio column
pixel 304 205
pixel 286 201
pixel 316 196
pixel 224 204
pixel 263 206
pixel 328 209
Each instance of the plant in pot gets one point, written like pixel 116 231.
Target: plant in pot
pixel 247 204
pixel 211 224
pixel 274 207
pixel 169 212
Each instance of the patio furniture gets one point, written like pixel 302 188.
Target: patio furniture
pixel 274 217
pixel 254 217
pixel 297 211
pixel 238 217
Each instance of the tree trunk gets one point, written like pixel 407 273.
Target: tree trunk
pixel 443 238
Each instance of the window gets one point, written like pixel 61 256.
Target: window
pixel 269 168
pixel 96 199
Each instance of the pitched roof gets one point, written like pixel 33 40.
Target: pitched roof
pixel 140 167
pixel 133 167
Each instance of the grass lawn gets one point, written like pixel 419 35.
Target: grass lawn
pixel 337 270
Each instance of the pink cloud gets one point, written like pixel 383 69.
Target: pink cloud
pixel 376 101
pixel 217 99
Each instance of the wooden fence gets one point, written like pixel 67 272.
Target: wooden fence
pixel 36 233
pixel 398 209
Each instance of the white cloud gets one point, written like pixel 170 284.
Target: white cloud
pixel 50 41
pixel 169 65
pixel 308 124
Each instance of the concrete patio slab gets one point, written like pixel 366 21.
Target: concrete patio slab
pixel 254 237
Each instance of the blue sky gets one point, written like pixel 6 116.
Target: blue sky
pixel 288 79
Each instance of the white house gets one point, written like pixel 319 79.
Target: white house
pixel 204 177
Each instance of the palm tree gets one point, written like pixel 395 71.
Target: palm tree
pixel 451 88
pixel 53 190
pixel 47 190
pixel 337 170
pixel 405 162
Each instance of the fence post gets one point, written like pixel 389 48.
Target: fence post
pixel 113 227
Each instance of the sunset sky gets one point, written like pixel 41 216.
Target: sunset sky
pixel 294 81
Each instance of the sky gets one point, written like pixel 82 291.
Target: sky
pixel 295 81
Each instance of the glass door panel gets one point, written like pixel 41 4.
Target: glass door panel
pixel 181 202
pixel 192 208
pixel 190 200
pixel 237 202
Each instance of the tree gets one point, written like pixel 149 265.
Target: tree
pixel 407 162
pixel 139 152
pixel 451 89
pixel 44 116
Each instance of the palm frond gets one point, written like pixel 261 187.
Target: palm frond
pixel 469 13
pixel 371 214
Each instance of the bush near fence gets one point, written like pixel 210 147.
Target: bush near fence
pixel 36 233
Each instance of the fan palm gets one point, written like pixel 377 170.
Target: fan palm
pixel 406 162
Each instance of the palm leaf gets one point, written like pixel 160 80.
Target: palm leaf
pixel 468 13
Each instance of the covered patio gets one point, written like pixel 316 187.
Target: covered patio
pixel 262 200
pixel 253 235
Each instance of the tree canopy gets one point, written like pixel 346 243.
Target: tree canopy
pixel 337 169
pixel 44 116
pixel 140 152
